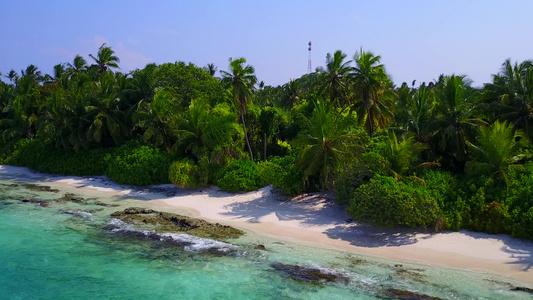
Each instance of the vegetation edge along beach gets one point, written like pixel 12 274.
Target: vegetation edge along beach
pixel 434 156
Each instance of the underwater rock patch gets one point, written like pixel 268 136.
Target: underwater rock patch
pixel 39 188
pixel 407 295
pixel 187 242
pixel 310 274
pixel 169 222
pixel 40 202
pixel 522 289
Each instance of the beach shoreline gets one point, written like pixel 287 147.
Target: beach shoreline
pixel 316 221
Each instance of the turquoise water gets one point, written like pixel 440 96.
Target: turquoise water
pixel 49 254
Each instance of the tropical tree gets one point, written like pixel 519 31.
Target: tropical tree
pixel 372 91
pixel 334 77
pixel 495 152
pixel 241 80
pixel 455 118
pixel 402 154
pixel 211 68
pixel 105 59
pixel 156 120
pixel 327 143
pixel 511 95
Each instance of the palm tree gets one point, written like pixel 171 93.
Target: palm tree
pixel 455 117
pixel 241 79
pixel 371 88
pixel 495 152
pixel 78 65
pixel 334 77
pixel 105 58
pixel 511 95
pixel 328 144
pixel 155 118
pixel 211 68
pixel 402 154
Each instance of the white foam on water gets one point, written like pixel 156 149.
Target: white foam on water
pixel 190 243
pixel 78 213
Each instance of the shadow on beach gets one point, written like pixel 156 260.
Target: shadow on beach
pixel 521 251
pixel 362 235
pixel 311 210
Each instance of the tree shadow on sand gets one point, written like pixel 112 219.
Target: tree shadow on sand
pixel 313 210
pixel 519 250
pixel 362 235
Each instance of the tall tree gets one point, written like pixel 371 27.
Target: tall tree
pixel 328 143
pixel 241 80
pixel 105 58
pixel 372 90
pixel 455 118
pixel 211 68
pixel 334 77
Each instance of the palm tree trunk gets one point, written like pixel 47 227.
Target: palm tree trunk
pixel 246 136
pixel 265 146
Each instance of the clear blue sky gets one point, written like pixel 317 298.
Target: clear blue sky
pixel 416 39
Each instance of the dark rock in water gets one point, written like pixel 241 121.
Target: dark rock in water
pixel 187 242
pixel 41 203
pixel 39 188
pixel 407 295
pixel 522 289
pixel 100 203
pixel 169 222
pixel 68 197
pixel 309 274
pixel 260 247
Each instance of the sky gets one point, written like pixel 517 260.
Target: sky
pixel 417 40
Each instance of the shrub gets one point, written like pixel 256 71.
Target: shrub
pixel 241 175
pixel 183 173
pixel 141 165
pixel 358 174
pixel 384 201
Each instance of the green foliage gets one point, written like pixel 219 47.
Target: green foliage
pixel 384 201
pixel 281 173
pixel 141 165
pixel 358 174
pixel 184 173
pixel 41 157
pixel 241 175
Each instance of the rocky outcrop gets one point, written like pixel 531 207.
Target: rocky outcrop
pixel 407 295
pixel 310 274
pixel 169 222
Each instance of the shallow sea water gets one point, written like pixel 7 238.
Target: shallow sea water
pixel 49 254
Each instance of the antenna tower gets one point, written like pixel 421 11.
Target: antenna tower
pixel 309 67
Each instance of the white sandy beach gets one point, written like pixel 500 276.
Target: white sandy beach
pixel 316 221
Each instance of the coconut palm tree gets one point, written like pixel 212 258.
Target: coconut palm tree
pixel 334 77
pixel 211 68
pixel 105 59
pixel 495 152
pixel 455 118
pixel 371 91
pixel 240 79
pixel 511 95
pixel 328 144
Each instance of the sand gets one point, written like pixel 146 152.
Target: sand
pixel 315 220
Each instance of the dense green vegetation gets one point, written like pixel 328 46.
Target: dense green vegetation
pixel 443 154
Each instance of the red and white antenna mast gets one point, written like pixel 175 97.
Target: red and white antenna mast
pixel 309 67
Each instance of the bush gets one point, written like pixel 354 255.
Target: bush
pixel 358 174
pixel 384 201
pixel 184 173
pixel 140 165
pixel 241 175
